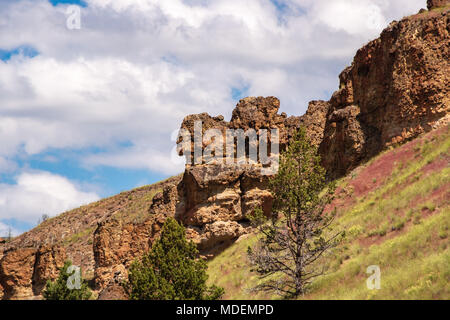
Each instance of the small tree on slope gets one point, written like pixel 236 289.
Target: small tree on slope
pixel 171 270
pixel 65 287
pixel 299 232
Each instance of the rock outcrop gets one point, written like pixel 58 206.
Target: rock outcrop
pixel 432 4
pixel 219 198
pixel 16 273
pixel 25 271
pixel 213 201
pixel 48 261
pixel 116 245
pixel 396 88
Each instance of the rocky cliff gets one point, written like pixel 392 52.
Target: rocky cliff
pixel 395 89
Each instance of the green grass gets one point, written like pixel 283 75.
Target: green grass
pixel 401 226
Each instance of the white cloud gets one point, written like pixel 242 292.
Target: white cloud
pixel 140 157
pixel 7 165
pixel 353 16
pixel 37 193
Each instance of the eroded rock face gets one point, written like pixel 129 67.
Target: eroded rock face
pixel 215 236
pixel 219 198
pixel 24 271
pixel 259 113
pixel 47 264
pixel 395 89
pixel 213 201
pixel 16 273
pixel 432 4
pixel 116 245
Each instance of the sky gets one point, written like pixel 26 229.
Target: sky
pixel 90 109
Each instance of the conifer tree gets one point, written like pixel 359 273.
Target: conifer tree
pixel 299 231
pixel 65 286
pixel 171 270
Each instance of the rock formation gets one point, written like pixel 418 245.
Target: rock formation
pixel 16 273
pixel 116 245
pixel 432 4
pixel 48 261
pixel 395 89
pixel 212 201
pixel 25 271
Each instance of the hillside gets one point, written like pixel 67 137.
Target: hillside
pixel 395 211
pixel 74 229
pixel 383 135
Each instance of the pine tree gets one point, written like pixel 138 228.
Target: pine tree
pixel 299 232
pixel 64 288
pixel 171 270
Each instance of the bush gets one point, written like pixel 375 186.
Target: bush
pixel 61 288
pixel 171 270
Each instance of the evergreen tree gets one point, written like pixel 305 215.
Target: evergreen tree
pixel 299 233
pixel 69 285
pixel 171 270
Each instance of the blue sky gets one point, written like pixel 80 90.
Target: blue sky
pixel 26 51
pixel 77 2
pixel 87 113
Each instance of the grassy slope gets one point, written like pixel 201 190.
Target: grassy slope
pixel 396 212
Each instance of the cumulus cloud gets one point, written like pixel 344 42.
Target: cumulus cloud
pixel 37 193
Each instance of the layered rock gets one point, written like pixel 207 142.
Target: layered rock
pixel 433 4
pixel 25 271
pixel 116 245
pixel 49 260
pixel 395 89
pixel 16 273
pixel 219 198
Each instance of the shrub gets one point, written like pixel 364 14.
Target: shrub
pixel 171 270
pixel 64 288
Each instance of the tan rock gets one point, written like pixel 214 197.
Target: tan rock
pixel 49 259
pixel 117 245
pixel 16 273
pixel 216 234
pixel 432 4
pixel 396 88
